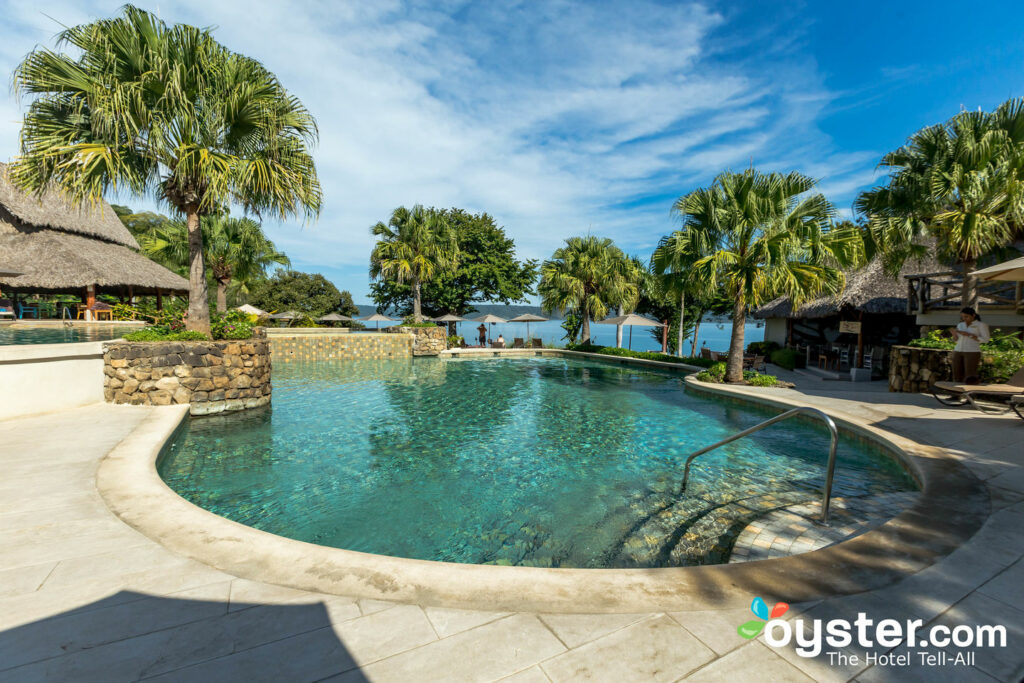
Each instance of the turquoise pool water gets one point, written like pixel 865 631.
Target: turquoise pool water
pixel 59 334
pixel 539 462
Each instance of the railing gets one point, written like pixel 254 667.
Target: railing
pixel 830 473
pixel 944 292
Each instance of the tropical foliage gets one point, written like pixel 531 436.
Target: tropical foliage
pixel 588 276
pixel 959 183
pixel 148 108
pixel 486 271
pixel 309 293
pixel 234 249
pixel 414 247
pixel 756 236
pixel 716 374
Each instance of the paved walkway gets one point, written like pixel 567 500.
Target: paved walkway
pixel 85 597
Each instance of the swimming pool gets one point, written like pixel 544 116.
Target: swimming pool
pixel 19 334
pixel 538 462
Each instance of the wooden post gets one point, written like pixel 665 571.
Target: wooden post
pixel 860 342
pixel 90 300
pixel 159 301
pixel 789 331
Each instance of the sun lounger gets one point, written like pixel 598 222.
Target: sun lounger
pixel 537 343
pixel 1017 402
pixel 6 308
pixel 517 343
pixel 956 394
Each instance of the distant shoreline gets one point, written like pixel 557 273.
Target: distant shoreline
pixel 512 311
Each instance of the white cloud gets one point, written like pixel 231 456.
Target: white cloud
pixel 554 117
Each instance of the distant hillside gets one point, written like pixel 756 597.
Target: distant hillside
pixel 481 309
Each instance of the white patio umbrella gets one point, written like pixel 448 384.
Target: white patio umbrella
pixel 332 318
pixel 528 318
pixel 250 309
pixel 1012 271
pixel 378 318
pixel 631 320
pixel 449 318
pixel 490 319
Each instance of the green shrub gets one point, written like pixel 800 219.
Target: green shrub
pixel 645 355
pixel 454 340
pixel 716 375
pixel 232 324
pixel 786 358
pixel 762 348
pixel 123 312
pixel 1000 366
pixel 1001 356
pixel 153 334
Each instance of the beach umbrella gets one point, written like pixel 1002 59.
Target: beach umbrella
pixel 528 318
pixel 333 318
pixel 449 318
pixel 489 318
pixel 1012 271
pixel 631 320
pixel 378 318
pixel 250 309
pixel 287 315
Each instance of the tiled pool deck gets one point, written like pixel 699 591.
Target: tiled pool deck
pixel 83 596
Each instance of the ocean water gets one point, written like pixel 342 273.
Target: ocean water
pixel 715 336
pixel 533 461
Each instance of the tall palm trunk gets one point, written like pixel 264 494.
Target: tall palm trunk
pixel 682 319
pixel 198 295
pixel 696 329
pixel 585 330
pixel 618 330
pixel 734 368
pixel 222 295
pixel 417 310
pixel 970 293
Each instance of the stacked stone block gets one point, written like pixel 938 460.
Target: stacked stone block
pixel 427 341
pixel 356 346
pixel 210 376
pixel 913 370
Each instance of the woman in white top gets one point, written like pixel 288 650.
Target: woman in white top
pixel 970 334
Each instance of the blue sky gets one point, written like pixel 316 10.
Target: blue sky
pixel 560 118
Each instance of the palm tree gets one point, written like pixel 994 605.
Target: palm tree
pixel 166 110
pixel 413 247
pixel 959 183
pixel 587 276
pixel 672 261
pixel 235 249
pixel 758 236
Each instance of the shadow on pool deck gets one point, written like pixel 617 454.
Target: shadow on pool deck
pixel 129 635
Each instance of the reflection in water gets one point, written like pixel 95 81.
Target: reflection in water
pixel 545 462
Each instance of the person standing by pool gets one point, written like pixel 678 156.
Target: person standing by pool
pixel 483 334
pixel 970 334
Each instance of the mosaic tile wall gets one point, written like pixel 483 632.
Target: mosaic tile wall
pixel 357 346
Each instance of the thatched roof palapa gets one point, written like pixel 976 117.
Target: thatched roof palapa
pixel 56 246
pixel 869 289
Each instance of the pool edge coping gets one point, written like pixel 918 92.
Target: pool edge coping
pixel 129 484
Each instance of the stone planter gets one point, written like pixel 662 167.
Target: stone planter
pixel 210 376
pixel 914 370
pixel 427 341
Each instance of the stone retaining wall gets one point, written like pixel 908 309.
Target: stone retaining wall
pixel 914 370
pixel 355 346
pixel 211 376
pixel 427 341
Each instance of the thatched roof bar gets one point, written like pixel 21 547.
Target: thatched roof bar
pixel 53 261
pixel 54 211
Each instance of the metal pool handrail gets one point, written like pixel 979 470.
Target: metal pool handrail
pixel 827 497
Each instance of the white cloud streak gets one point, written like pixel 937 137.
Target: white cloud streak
pixel 557 118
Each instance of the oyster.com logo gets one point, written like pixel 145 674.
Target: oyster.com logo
pixel 759 607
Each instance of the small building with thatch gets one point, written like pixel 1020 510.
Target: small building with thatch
pixel 872 298
pixel 57 247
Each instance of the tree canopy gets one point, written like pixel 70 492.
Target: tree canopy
pixel 487 272
pixel 148 108
pixel 310 293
